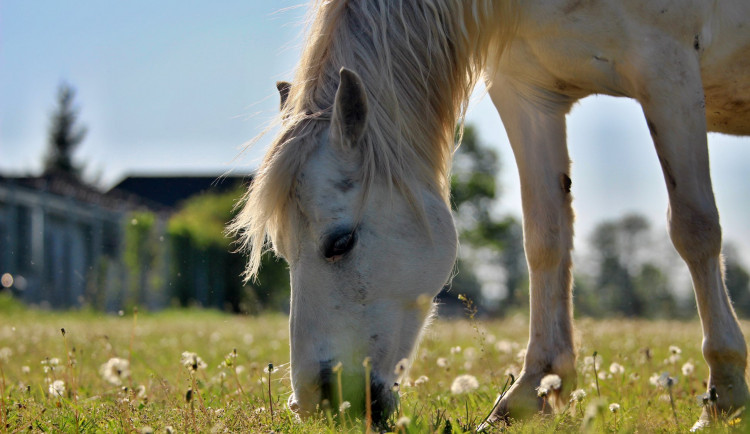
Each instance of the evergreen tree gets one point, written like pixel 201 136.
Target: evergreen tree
pixel 64 135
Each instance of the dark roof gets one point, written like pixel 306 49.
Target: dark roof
pixel 71 187
pixel 171 190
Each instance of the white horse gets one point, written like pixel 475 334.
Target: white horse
pixel 354 191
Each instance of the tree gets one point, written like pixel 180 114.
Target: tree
pixel 627 281
pixel 737 280
pixel 474 196
pixel 64 135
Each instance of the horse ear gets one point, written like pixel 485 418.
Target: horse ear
pixel 284 87
pixel 350 108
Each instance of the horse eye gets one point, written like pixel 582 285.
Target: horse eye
pixel 339 245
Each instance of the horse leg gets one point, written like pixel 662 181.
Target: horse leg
pixel 537 136
pixel 674 108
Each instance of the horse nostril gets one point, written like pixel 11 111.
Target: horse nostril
pixel 293 404
pixel 324 380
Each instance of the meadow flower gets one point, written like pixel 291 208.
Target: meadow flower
pixel 421 380
pixel 590 363
pixel 346 405
pixel 616 368
pixel 25 369
pixel 115 370
pixel 140 391
pixel 663 380
pixel 57 388
pixel 464 384
pixel 403 422
pixel 674 353
pixel 192 361
pixel 505 347
pixel 614 407
pixel 577 395
pixel 455 350
pixel 548 384
pixel 401 366
pixel 442 362
pixel 688 369
pixel 5 354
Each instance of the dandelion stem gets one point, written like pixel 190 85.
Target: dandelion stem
pixel 674 410
pixel 368 396
pixel 2 394
pixel 132 339
pixel 596 377
pixel 270 397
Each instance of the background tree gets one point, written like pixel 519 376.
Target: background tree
pixel 64 135
pixel 737 280
pixel 627 279
pixel 496 241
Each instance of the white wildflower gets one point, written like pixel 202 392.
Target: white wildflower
pixel 505 347
pixel 192 361
pixel 548 384
pixel 464 384
pixel 421 380
pixel 455 350
pixel 688 369
pixel 25 369
pixel 442 362
pixel 403 422
pixel 577 395
pixel 5 354
pixel 346 405
pixel 140 391
pixel 616 368
pixel 57 388
pixel 614 407
pixel 551 382
pixel 115 370
pixel 675 353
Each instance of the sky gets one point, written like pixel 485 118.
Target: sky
pixel 179 86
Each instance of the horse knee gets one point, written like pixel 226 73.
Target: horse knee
pixel 695 233
pixel 544 248
pixel 725 352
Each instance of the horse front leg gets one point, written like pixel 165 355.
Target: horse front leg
pixel 674 108
pixel 537 136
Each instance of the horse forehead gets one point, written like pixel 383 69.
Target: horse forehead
pixel 325 184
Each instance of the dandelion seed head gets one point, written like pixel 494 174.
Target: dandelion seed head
pixel 614 407
pixel 421 380
pixel 115 370
pixel 5 354
pixel 616 369
pixel 57 388
pixel 688 369
pixel 403 422
pixel 25 369
pixel 577 395
pixel 464 384
pixel 551 382
pixel 442 362
pixel 192 361
pixel 346 405
pixel 455 350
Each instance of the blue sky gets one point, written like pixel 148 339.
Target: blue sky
pixel 179 86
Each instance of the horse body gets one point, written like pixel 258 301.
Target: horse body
pixel 354 191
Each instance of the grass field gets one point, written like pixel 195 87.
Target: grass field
pixel 61 382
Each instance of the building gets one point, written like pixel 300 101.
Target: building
pixel 62 241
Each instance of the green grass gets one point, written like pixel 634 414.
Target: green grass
pixel 235 398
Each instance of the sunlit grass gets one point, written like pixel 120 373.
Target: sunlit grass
pixel 154 385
